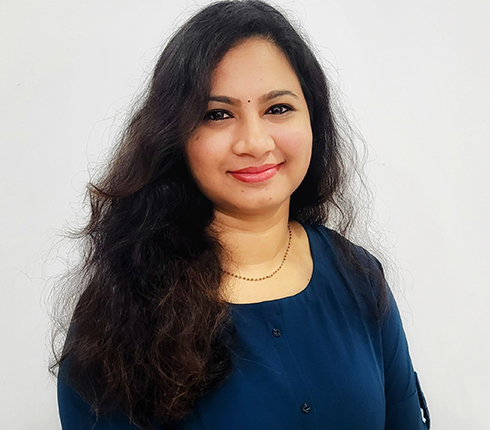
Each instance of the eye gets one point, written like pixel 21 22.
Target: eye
pixel 216 115
pixel 279 109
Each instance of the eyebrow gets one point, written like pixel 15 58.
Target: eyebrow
pixel 265 98
pixel 277 93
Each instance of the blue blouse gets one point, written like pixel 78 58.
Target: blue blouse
pixel 312 361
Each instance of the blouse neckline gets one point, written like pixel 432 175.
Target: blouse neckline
pixel 303 292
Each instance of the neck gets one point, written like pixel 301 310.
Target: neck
pixel 254 244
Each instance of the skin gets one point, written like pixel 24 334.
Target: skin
pixel 248 156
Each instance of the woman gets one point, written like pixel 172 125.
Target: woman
pixel 213 297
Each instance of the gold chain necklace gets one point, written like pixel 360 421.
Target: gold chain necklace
pixel 274 272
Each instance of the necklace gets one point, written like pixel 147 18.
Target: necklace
pixel 274 272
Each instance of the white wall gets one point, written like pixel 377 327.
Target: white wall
pixel 415 78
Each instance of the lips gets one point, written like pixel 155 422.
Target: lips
pixel 254 174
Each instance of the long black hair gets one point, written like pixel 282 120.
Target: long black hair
pixel 150 332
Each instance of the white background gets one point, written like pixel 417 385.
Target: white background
pixel 414 77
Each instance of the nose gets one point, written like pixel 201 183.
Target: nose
pixel 253 137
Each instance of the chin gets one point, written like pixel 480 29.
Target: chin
pixel 261 205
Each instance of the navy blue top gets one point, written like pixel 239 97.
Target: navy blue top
pixel 312 361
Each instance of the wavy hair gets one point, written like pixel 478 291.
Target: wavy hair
pixel 150 333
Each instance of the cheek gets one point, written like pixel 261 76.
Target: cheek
pixel 206 149
pixel 204 165
pixel 297 144
pixel 198 156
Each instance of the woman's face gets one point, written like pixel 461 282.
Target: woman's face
pixel 253 148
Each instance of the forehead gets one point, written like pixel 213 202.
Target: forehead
pixel 254 65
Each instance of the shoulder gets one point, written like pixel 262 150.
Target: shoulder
pixel 341 247
pixel 362 272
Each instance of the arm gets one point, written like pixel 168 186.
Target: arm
pixel 404 398
pixel 77 414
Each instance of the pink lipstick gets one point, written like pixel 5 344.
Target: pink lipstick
pixel 256 174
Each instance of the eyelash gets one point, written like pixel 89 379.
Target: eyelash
pixel 284 109
pixel 208 117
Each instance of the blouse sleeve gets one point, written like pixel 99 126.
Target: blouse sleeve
pixel 77 414
pixel 405 401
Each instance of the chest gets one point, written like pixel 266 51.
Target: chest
pixel 298 371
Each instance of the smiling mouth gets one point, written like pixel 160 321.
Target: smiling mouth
pixel 256 174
